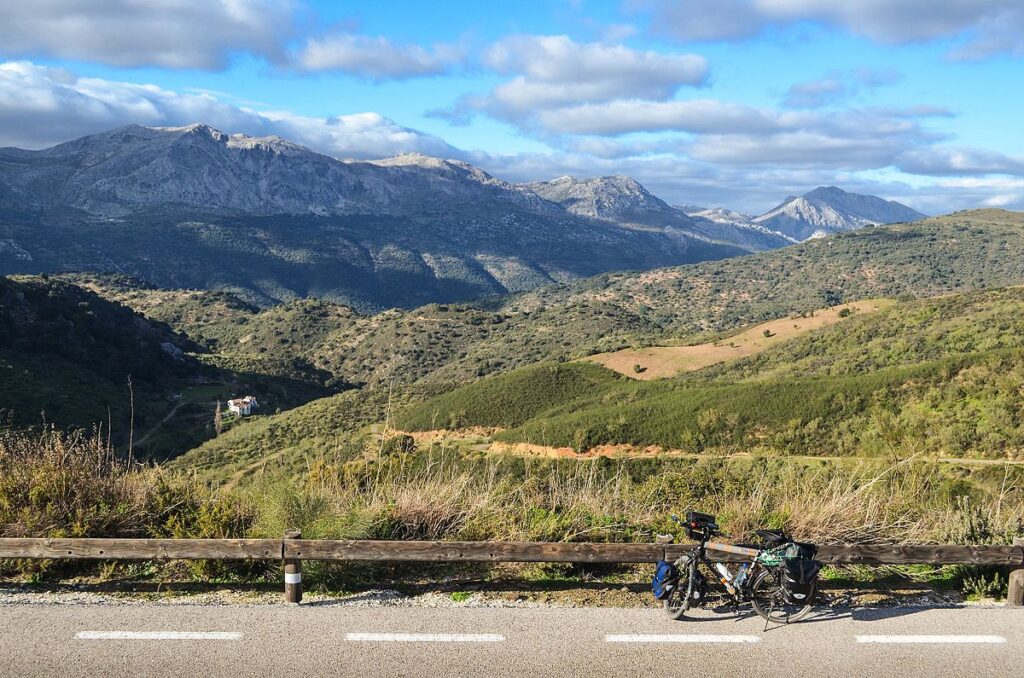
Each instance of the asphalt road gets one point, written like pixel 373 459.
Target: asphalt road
pixel 325 639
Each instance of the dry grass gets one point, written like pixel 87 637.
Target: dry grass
pixel 597 500
pixel 660 362
pixel 55 484
pixel 72 485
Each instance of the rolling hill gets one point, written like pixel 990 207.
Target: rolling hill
pixel 937 376
pixel 76 359
pixel 442 351
pixel 443 345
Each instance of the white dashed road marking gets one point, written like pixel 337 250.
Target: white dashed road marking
pixel 687 638
pixel 931 639
pixel 158 635
pixel 426 637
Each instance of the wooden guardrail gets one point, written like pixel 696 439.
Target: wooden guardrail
pixel 293 550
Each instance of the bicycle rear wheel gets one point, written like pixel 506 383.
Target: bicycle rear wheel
pixel 767 600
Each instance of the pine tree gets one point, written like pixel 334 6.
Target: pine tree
pixel 218 419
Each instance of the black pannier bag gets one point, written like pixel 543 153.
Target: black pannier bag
pixel 699 525
pixel 666 578
pixel 800 573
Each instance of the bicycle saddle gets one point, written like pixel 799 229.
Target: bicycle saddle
pixel 773 536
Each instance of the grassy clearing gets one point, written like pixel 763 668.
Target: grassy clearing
pixel 509 400
pixel 660 362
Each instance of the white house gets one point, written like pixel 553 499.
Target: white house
pixel 243 406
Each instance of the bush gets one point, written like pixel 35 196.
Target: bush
pixel 54 484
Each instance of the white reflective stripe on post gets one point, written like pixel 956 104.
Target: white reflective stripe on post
pixel 292 577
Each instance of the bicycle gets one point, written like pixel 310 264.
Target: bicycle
pixel 759 580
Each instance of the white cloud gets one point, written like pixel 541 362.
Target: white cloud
pixel 816 93
pixel 375 57
pixel 42 106
pixel 985 27
pixel 837 86
pixel 173 34
pixel 633 115
pixel 959 161
pixel 553 70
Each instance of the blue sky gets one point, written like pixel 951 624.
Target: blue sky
pixel 714 102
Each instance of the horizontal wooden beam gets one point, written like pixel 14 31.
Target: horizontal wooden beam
pixel 494 551
pixel 485 551
pixel 908 554
pixel 143 549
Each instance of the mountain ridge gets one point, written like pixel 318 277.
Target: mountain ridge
pixel 273 221
pixel 830 209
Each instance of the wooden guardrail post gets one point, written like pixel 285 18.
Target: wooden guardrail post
pixel 1015 594
pixel 292 573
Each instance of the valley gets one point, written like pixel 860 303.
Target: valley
pixel 857 384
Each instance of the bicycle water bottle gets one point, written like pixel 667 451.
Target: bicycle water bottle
pixel 741 576
pixel 725 576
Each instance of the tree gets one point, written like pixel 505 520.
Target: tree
pixel 218 419
pixel 832 298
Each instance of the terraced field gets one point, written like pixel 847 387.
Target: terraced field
pixel 661 362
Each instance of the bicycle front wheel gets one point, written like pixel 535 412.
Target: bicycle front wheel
pixel 677 604
pixel 767 600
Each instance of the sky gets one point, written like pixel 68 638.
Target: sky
pixel 735 103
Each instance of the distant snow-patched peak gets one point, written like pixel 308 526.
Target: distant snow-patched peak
pixel 271 143
pixel 720 215
pixel 738 221
pixel 432 163
pixel 829 209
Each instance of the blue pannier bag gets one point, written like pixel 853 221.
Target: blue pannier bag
pixel 666 578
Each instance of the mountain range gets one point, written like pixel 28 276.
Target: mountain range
pixel 272 221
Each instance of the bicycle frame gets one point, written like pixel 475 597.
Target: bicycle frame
pixel 699 555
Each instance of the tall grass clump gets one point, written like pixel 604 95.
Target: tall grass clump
pixel 56 484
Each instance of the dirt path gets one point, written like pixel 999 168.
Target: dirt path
pixel 660 362
pixel 479 440
pixel 148 434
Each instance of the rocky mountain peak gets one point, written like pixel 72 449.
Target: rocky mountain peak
pixel 601 197
pixel 829 209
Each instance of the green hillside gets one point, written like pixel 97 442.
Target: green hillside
pixel 67 355
pixel 937 375
pixel 510 399
pixel 447 345
pixel 408 355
